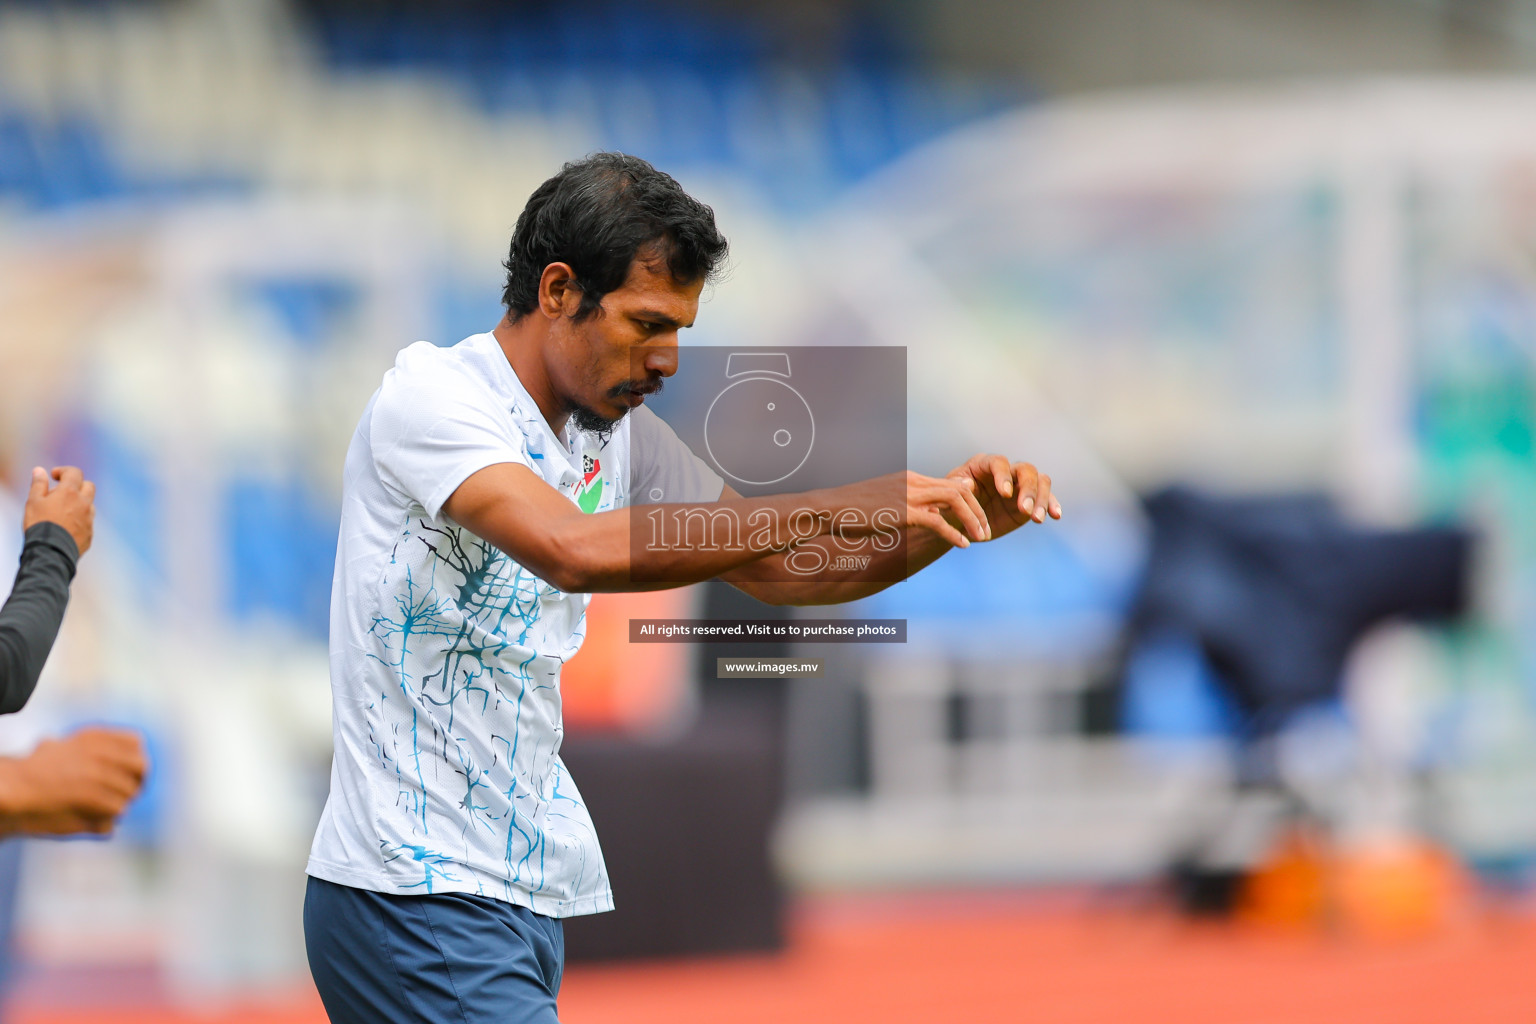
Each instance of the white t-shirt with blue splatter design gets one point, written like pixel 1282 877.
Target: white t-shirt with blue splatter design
pixel 446 653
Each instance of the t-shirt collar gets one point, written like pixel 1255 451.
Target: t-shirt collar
pixel 527 412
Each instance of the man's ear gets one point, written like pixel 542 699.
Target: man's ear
pixel 559 294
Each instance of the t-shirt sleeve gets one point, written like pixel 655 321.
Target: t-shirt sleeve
pixel 431 432
pixel 29 621
pixel 664 468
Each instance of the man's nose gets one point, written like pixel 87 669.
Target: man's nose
pixel 661 359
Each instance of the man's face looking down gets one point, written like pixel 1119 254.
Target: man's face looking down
pixel 604 365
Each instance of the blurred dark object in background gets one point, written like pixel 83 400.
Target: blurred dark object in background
pixel 686 823
pixel 1277 590
pixel 1274 592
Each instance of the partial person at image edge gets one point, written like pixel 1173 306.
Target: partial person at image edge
pixel 83 782
pixel 31 616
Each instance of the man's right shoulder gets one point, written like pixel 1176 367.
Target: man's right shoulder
pixel 427 361
pixel 426 373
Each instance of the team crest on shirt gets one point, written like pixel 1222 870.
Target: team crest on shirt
pixel 589 492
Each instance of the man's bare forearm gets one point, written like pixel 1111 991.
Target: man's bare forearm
pixel 653 547
pixel 663 546
pixel 767 578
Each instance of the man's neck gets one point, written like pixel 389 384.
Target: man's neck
pixel 524 344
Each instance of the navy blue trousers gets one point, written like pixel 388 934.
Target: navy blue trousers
pixel 449 958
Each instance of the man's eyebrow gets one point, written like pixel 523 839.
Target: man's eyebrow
pixel 656 317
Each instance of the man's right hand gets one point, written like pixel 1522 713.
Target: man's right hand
pixel 945 505
pixel 77 784
pixel 72 504
pixel 932 502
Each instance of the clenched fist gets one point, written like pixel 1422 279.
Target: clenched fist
pixel 71 504
pixel 77 784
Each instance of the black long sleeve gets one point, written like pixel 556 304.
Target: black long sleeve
pixel 30 620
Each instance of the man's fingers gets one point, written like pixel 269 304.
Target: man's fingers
pixel 1042 498
pixel 990 468
pixel 127 764
pixel 107 792
pixel 1002 477
pixel 1055 508
pixel 121 789
pixel 961 497
pixel 956 494
pixel 39 488
pixel 69 476
pixel 100 804
pixel 972 514
pixel 88 491
pixel 1026 482
pixel 939 525
pixel 111 735
pixel 125 770
pixel 134 769
pixel 122 749
pixel 61 823
pixel 134 776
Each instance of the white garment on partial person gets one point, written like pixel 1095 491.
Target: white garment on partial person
pixel 446 652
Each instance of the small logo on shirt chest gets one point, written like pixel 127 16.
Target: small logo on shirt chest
pixel 589 490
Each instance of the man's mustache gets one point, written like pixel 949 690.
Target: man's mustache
pixel 639 388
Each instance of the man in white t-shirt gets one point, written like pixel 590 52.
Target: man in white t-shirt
pixel 485 497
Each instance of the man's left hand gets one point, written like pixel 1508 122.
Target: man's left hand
pixel 1010 493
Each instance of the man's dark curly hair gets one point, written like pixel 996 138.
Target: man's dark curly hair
pixel 597 215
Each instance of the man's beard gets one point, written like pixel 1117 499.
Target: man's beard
pixel 590 421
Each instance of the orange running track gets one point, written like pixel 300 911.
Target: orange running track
pixel 1010 959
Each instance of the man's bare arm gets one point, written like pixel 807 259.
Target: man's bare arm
pixel 1011 494
pixel 770 581
pixel 510 506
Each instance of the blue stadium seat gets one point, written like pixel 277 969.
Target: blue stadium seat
pixel 715 84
